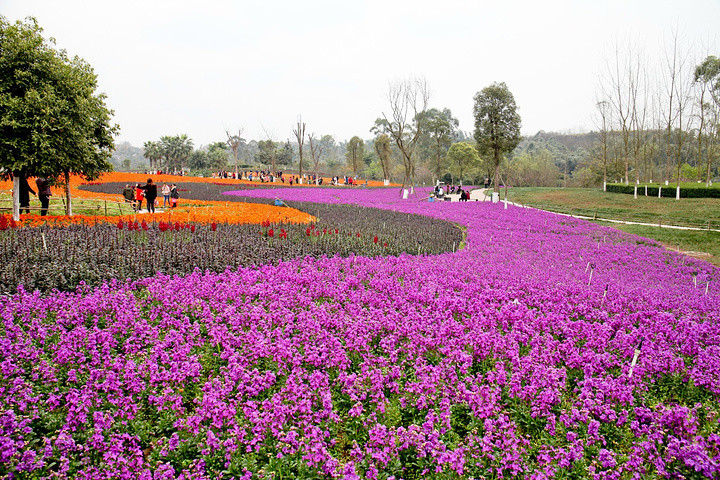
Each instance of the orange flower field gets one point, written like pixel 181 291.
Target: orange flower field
pixel 187 210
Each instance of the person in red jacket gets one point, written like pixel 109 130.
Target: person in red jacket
pixel 138 197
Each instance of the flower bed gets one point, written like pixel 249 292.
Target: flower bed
pixel 132 248
pixel 510 358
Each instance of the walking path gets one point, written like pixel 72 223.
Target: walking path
pixel 484 194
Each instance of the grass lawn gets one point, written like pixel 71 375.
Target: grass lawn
pixel 704 245
pixel 86 206
pixel 693 212
pixel 690 212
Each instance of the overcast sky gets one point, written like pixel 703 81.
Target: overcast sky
pixel 204 67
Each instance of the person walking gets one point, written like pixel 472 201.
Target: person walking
pixel 44 193
pixel 25 191
pixel 150 190
pixel 138 197
pixel 128 194
pixel 166 194
pixel 174 195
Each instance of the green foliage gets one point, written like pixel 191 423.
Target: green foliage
pixel 462 158
pixel 687 190
pixel 497 123
pixel 439 132
pixel 383 148
pixel 354 154
pixel 153 152
pixel 52 121
pixel 176 150
pixel 534 168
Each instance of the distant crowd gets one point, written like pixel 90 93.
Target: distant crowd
pixel 149 193
pixel 263 176
pixel 440 192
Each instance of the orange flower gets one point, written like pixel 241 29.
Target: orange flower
pixel 191 211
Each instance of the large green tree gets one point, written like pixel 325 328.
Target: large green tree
pixel 384 152
pixel 52 121
pixel 354 153
pixel 440 127
pixel 707 77
pixel 218 155
pixel 463 157
pixel 154 153
pixel 497 124
pixel 267 153
pixel 176 150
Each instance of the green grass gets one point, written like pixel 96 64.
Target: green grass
pixel 80 206
pixel 690 212
pixel 700 244
pixel 594 203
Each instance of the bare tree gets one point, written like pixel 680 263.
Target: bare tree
pixel 677 100
pixel 299 133
pixel 707 81
pixel 620 84
pixel 683 96
pixel 270 148
pixel 384 151
pixel 316 151
pixel 235 142
pixel 638 110
pixel 408 100
pixel 604 111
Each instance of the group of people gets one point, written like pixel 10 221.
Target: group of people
pixel 43 193
pixel 267 176
pixel 149 193
pixel 263 176
pixel 464 195
pixel 257 175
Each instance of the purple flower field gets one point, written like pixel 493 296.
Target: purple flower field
pixel 510 358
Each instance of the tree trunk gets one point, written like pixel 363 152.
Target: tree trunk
pixel 496 175
pixel 68 201
pixel 16 198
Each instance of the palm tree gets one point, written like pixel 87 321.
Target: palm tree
pixel 176 151
pixel 153 153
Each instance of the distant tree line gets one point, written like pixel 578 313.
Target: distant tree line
pixel 657 122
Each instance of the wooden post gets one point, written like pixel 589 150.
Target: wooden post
pixel 16 198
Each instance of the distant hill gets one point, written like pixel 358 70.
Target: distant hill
pixel 571 141
pixel 125 150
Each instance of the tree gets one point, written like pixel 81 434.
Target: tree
pixel 267 153
pixel 153 152
pixel 497 124
pixel 285 154
pixel 52 123
pixel 440 127
pixel 534 169
pixel 176 150
pixel 707 78
pixel 603 107
pixel 462 157
pixel 354 153
pixel 299 133
pixel 235 142
pixel 408 101
pixel 384 151
pixel 199 160
pixel 218 156
pixel 316 151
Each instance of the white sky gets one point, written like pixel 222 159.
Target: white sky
pixel 202 67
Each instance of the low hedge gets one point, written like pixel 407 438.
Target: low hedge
pixel 668 191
